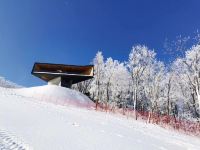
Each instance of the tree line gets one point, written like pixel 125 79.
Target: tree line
pixel 143 83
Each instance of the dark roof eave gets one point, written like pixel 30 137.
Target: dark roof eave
pixel 60 74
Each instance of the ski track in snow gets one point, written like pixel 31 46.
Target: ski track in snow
pixel 8 142
pixel 47 126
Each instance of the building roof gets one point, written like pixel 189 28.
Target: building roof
pixel 47 72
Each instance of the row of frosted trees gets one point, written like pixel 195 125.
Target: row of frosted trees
pixel 145 84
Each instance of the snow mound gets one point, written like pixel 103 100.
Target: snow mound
pixel 56 95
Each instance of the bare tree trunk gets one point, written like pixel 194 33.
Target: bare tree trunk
pixel 135 104
pixel 97 100
pixel 194 106
pixel 107 88
pixel 168 96
pixel 149 117
pixel 198 98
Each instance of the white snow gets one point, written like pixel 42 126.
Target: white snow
pixel 8 84
pixel 56 95
pixel 46 126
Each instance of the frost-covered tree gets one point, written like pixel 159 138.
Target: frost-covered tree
pixel 83 87
pixel 120 85
pixel 140 58
pixel 153 85
pixel 8 84
pixel 171 93
pixel 109 71
pixel 114 83
pixel 97 88
pixel 145 84
pixel 188 70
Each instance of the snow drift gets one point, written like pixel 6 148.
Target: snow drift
pixel 56 95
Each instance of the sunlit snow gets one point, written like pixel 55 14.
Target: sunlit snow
pixel 42 125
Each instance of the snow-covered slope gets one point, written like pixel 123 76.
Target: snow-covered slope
pixel 7 84
pixel 46 126
pixel 56 95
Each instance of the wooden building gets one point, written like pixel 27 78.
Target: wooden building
pixel 62 75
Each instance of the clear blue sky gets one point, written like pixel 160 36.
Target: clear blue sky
pixel 72 31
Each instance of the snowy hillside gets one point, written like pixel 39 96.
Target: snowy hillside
pixel 7 84
pixel 28 123
pixel 56 95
